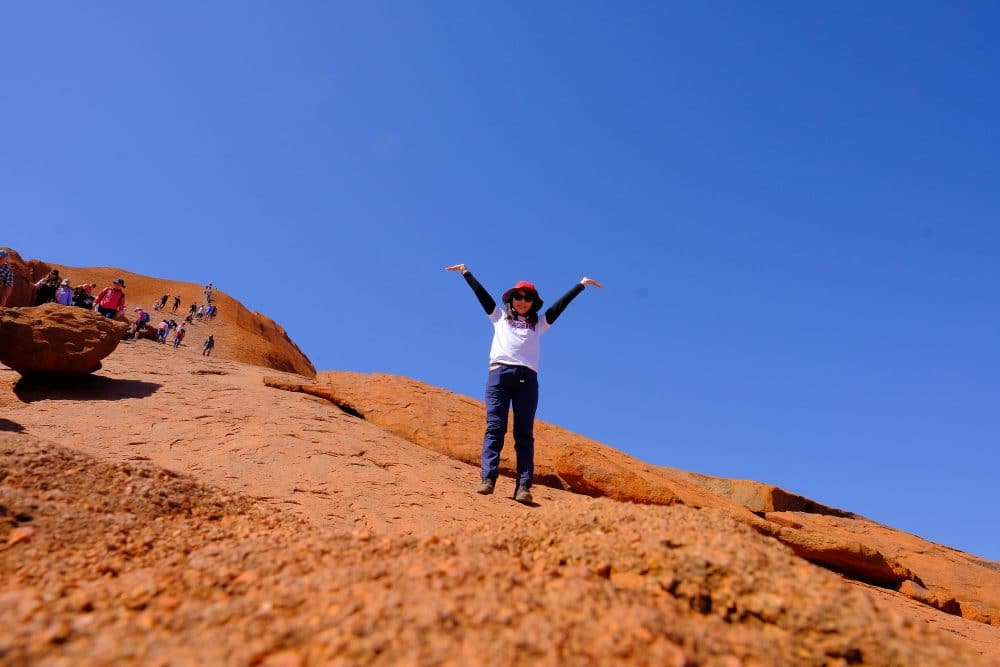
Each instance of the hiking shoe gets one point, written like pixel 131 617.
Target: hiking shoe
pixel 523 494
pixel 486 486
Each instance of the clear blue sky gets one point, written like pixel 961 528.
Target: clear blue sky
pixel 793 208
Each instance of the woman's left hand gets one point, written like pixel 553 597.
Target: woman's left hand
pixel 590 281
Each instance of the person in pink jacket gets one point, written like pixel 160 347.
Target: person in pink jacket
pixel 111 301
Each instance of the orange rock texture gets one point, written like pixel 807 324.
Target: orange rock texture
pixel 851 545
pixel 127 563
pixel 174 509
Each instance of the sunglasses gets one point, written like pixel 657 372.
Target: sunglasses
pixel 522 297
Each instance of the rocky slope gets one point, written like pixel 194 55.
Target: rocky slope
pixel 439 420
pixel 128 563
pixel 174 509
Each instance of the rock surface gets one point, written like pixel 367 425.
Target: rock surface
pixel 173 509
pixel 950 580
pixel 131 564
pixel 843 542
pixel 56 340
pixel 453 425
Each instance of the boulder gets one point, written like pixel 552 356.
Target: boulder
pixel 53 339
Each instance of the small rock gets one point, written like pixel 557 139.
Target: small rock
pixel 139 588
pixel 19 604
pixel 168 603
pixel 20 534
pixel 249 577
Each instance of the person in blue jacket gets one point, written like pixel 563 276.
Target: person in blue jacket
pixel 513 374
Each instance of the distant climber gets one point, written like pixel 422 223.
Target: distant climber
pixel 513 374
pixel 141 320
pixel 45 289
pixel 162 329
pixel 208 346
pixel 83 295
pixel 64 293
pixel 179 336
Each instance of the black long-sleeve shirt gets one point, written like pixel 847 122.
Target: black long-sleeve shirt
pixel 485 300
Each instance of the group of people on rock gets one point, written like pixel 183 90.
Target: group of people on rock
pixel 165 327
pixel 55 288
pixel 195 312
pixel 110 302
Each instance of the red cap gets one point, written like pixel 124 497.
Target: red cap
pixel 527 287
pixel 524 284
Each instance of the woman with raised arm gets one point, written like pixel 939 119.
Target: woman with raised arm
pixel 513 374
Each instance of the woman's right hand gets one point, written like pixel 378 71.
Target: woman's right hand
pixel 457 267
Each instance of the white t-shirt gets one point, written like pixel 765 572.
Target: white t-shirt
pixel 516 343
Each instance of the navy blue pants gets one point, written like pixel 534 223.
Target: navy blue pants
pixel 509 386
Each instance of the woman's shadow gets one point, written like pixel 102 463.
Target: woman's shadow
pixel 80 388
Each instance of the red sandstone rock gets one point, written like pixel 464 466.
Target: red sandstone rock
pixel 329 538
pixel 597 473
pixel 756 496
pixel 56 340
pixel 452 425
pixel 612 583
pixel 847 556
pixel 950 580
